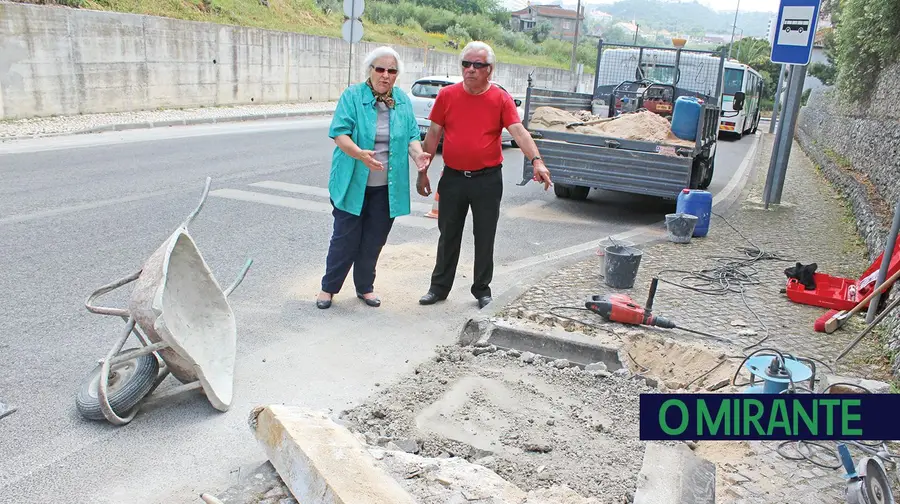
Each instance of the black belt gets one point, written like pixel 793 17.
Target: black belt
pixel 473 173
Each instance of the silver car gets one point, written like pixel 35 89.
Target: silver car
pixel 425 90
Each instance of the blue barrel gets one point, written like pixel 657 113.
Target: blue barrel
pixel 699 203
pixel 686 117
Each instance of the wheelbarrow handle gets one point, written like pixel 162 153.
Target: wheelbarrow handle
pixel 102 310
pixel 240 278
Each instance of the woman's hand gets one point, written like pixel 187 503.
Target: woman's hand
pixel 423 161
pixel 368 158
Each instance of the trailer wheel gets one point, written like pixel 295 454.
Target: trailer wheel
pixel 574 192
pixel 708 174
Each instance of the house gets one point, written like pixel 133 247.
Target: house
pixel 562 20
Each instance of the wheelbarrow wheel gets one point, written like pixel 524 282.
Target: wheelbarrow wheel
pixel 128 384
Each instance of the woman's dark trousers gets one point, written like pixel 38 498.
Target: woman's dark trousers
pixel 357 241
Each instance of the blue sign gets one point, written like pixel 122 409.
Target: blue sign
pixel 795 32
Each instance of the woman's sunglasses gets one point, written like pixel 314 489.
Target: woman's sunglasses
pixel 477 64
pixel 392 71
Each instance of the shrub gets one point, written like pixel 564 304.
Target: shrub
pixel 867 39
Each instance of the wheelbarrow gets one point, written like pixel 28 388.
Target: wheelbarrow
pixel 181 317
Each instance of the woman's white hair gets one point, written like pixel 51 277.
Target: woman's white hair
pixel 380 52
pixel 475 46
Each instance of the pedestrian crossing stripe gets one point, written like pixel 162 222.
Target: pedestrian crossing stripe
pixel 309 205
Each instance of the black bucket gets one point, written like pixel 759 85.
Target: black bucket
pixel 621 264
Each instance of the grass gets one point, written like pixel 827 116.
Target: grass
pixel 299 16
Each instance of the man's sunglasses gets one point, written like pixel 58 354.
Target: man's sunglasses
pixel 392 71
pixel 477 64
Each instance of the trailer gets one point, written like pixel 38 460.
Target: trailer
pixel 627 78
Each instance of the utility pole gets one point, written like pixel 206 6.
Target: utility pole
pixel 733 27
pixel 575 44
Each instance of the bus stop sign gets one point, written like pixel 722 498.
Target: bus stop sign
pixel 795 32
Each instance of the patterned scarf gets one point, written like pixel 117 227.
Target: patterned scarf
pixel 382 97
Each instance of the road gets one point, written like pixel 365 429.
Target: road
pixel 79 212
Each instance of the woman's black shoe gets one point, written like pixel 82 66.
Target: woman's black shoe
pixel 373 302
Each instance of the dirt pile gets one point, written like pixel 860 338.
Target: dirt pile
pixel 643 125
pixel 680 366
pixel 538 423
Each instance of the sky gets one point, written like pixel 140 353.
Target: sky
pixel 721 5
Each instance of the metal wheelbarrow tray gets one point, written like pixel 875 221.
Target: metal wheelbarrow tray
pixel 178 311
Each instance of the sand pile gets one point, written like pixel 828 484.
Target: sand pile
pixel 643 125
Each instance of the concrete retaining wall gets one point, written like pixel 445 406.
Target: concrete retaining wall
pixel 858 149
pixel 62 61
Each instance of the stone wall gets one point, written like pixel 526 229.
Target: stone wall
pixel 858 148
pixel 62 61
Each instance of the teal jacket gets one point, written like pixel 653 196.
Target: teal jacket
pixel 356 116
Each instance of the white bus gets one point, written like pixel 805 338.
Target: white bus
pixel 740 78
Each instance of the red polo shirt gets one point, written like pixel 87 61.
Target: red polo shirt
pixel 473 125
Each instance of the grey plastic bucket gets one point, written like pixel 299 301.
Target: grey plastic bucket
pixel 680 227
pixel 602 248
pixel 621 265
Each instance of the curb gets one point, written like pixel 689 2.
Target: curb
pixel 729 200
pixel 176 122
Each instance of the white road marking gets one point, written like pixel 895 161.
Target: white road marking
pixel 309 206
pixel 321 192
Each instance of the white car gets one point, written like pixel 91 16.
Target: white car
pixel 425 90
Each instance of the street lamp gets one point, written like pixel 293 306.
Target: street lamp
pixel 733 28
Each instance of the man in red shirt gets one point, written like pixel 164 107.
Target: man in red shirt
pixel 471 115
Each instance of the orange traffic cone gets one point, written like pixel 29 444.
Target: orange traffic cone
pixel 433 213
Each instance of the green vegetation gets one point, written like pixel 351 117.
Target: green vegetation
pixel 866 40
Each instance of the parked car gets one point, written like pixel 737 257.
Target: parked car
pixel 425 90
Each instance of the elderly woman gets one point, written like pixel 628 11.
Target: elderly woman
pixel 376 133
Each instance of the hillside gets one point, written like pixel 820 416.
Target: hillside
pixel 688 17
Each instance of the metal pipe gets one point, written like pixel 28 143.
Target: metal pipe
pixel 791 123
pixel 869 328
pixel 770 175
pixel 778 87
pixel 885 263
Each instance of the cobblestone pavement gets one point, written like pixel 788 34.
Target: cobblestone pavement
pixel 811 226
pixel 56 125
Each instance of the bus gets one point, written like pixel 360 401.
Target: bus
pixel 739 77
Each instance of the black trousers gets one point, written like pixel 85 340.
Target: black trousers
pixel 357 241
pixel 482 193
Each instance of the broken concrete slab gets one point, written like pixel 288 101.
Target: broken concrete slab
pixel 454 480
pixel 675 474
pixel 320 461
pixel 837 385
pixel 259 484
pixel 554 345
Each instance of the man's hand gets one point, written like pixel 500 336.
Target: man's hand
pixel 542 174
pixel 368 158
pixel 423 185
pixel 423 161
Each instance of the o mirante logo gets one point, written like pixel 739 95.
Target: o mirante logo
pixel 767 416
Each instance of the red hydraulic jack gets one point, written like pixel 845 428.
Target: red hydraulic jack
pixel 624 310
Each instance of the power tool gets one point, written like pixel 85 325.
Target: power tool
pixel 624 310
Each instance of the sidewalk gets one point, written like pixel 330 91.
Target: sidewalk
pixel 95 123
pixel 812 225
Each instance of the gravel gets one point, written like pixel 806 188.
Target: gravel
pixel 43 126
pixel 536 424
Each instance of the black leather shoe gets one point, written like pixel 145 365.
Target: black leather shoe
pixel 484 301
pixel 374 302
pixel 431 298
pixel 323 303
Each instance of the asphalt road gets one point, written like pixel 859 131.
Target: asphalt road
pixel 79 212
